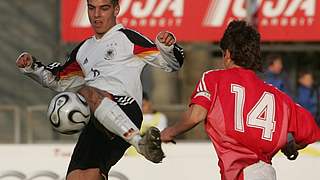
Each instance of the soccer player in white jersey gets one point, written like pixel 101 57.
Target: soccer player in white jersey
pixel 106 70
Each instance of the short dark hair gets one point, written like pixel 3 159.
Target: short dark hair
pixel 114 2
pixel 271 58
pixel 304 72
pixel 243 42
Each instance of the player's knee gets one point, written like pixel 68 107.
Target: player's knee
pixel 93 96
pixel 92 174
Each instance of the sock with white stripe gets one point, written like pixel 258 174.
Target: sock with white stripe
pixel 111 116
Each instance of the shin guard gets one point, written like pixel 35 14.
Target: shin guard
pixel 111 116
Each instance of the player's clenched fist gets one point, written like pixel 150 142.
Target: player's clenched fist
pixel 166 38
pixel 166 135
pixel 24 60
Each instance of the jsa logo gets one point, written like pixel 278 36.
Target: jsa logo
pixel 154 8
pixel 280 12
pixel 141 13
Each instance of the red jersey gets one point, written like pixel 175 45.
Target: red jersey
pixel 249 120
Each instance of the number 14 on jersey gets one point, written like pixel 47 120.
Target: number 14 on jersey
pixel 261 116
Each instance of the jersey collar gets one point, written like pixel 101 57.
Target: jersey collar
pixel 113 29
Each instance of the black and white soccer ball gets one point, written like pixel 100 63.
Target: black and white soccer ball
pixel 68 112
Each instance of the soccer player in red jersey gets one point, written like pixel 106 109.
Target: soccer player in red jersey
pixel 247 120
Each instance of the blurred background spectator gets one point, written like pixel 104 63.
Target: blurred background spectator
pixel 151 117
pixel 308 93
pixel 274 73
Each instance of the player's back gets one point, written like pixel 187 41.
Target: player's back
pixel 248 119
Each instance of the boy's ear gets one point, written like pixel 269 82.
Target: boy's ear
pixel 116 10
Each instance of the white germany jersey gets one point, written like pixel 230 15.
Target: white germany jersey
pixel 113 63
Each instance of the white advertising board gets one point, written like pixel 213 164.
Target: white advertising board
pixel 184 161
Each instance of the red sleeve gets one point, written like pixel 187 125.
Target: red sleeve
pixel 303 126
pixel 202 94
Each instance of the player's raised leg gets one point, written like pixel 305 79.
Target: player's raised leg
pixel 111 116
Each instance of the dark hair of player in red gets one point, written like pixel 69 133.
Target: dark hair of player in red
pixel 243 42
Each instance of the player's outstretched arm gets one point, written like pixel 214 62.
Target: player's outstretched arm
pixel 164 53
pixel 54 76
pixel 302 131
pixel 195 115
pixel 303 127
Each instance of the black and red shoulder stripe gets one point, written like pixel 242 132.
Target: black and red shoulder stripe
pixel 69 68
pixel 142 45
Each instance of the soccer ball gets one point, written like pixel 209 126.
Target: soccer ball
pixel 68 112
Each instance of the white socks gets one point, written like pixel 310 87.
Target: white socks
pixel 111 116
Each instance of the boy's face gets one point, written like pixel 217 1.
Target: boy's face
pixel 102 15
pixel 277 66
pixel 306 80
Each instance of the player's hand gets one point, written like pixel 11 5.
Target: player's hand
pixel 166 136
pixel 24 60
pixel 166 38
pixel 290 150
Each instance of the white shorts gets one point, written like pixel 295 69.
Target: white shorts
pixel 259 171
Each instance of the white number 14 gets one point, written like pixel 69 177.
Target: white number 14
pixel 260 116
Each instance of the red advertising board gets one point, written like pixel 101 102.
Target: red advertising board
pixel 202 20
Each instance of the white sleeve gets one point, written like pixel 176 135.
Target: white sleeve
pixel 168 58
pixel 48 76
